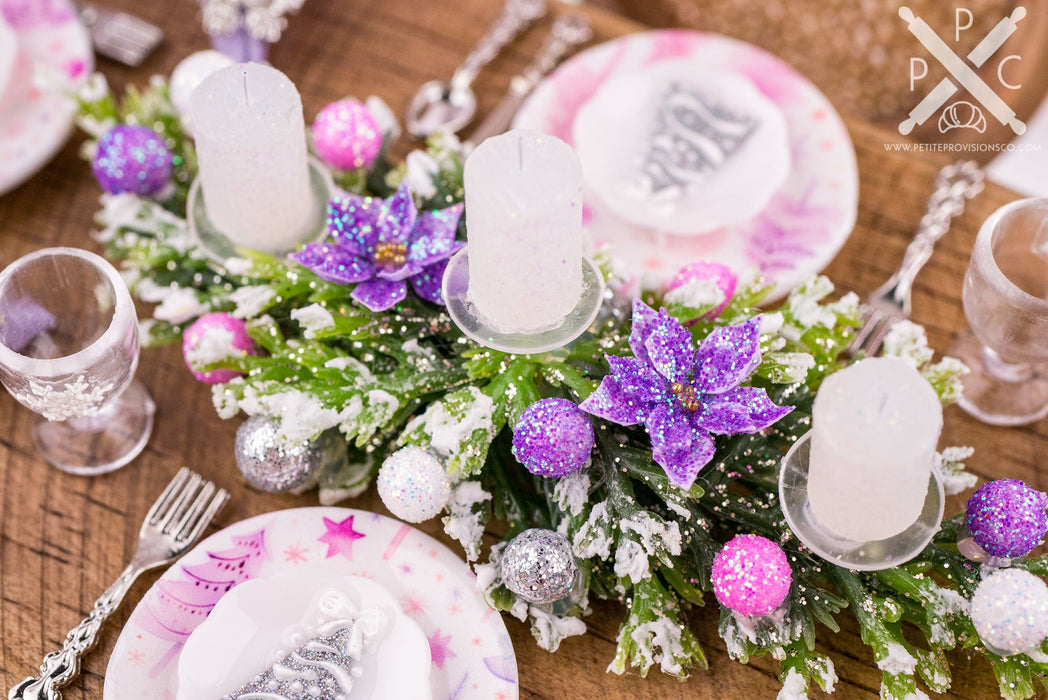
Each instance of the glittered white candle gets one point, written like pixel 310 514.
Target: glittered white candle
pixel 524 228
pixel 875 426
pixel 251 146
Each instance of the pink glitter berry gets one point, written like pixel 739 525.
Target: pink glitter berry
pixel 720 275
pixel 751 575
pixel 346 135
pixel 216 329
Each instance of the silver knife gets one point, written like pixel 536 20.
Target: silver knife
pixel 568 32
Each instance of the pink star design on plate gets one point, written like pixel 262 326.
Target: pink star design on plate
pixel 340 537
pixel 138 658
pixel 412 605
pixel 295 553
pixel 454 608
pixel 438 648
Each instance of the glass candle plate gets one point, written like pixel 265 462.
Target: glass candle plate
pixel 851 554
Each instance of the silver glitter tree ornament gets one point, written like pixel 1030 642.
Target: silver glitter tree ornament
pixel 271 463
pixel 539 566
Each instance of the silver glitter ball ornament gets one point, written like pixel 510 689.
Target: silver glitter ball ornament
pixel 270 463
pixel 539 566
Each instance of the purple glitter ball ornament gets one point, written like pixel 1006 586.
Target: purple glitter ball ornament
pixel 553 438
pixel 132 159
pixel 347 135
pixel 1007 518
pixel 211 338
pixel 751 575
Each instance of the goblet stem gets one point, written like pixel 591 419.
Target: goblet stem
pixel 997 368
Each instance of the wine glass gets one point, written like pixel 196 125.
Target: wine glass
pixel 68 352
pixel 1006 301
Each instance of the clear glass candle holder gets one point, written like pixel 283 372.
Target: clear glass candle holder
pixel 1005 299
pixel 68 352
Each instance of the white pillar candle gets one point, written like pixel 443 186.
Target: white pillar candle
pixel 251 146
pixel 875 426
pixel 524 228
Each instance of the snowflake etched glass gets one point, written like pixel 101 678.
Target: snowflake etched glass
pixel 68 352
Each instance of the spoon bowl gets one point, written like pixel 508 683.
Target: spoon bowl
pixel 440 105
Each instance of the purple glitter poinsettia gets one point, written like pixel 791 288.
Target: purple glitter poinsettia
pixel 682 394
pixel 382 244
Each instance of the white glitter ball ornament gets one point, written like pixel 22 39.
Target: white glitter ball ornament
pixel 539 566
pixel 413 484
pixel 1010 611
pixel 190 72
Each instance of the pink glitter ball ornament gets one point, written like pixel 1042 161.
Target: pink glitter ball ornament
pixel 347 135
pixel 720 275
pixel 212 337
pixel 751 575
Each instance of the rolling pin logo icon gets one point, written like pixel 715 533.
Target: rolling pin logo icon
pixel 962 75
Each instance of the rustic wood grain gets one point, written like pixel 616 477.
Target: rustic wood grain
pixel 63 539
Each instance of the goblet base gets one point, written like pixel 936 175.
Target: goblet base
pixel 852 554
pixel 101 443
pixel 1007 395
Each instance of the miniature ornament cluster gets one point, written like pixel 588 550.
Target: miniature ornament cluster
pixel 639 463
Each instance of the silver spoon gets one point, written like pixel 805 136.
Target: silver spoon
pixel 568 32
pixel 450 105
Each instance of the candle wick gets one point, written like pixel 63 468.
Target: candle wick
pixel 520 152
pixel 246 100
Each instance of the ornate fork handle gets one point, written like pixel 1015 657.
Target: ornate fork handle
pixel 517 15
pixel 954 186
pixel 61 667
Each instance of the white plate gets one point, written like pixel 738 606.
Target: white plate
pixel 804 224
pixel 472 654
pixel 32 133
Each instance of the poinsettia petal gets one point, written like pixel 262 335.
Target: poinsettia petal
pixel 352 223
pixel 678 448
pixel 428 282
pixel 334 263
pixel 433 237
pixel 669 347
pixel 611 403
pixel 379 295
pixel 727 356
pixel 643 318
pixel 760 408
pixel 637 379
pixel 397 218
pixel 723 417
pixel 406 270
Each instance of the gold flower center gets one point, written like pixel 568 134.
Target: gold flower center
pixel 686 396
pixel 391 255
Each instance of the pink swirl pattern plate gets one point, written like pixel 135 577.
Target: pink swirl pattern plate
pixel 804 224
pixel 59 45
pixel 472 655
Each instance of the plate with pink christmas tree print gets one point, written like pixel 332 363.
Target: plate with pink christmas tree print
pixel 471 653
pixel 696 147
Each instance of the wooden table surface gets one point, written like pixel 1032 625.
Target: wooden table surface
pixel 65 539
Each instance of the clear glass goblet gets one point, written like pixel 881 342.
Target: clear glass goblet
pixel 1006 301
pixel 68 352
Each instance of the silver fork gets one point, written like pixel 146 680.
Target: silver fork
pixel 954 186
pixel 173 524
